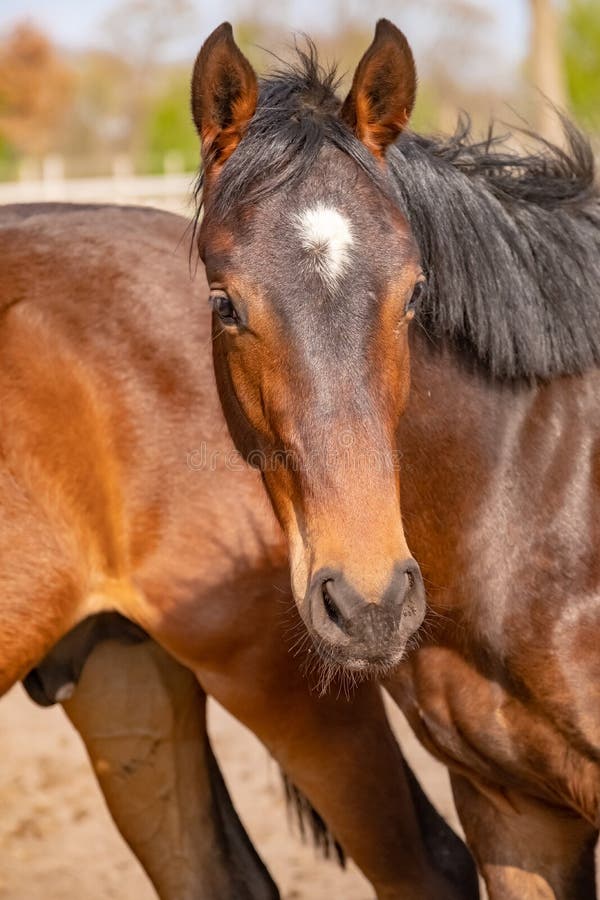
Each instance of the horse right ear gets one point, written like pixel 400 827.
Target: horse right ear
pixel 224 96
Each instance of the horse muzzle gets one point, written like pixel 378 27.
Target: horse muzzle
pixel 360 633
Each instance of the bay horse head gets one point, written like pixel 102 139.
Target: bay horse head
pixel 313 275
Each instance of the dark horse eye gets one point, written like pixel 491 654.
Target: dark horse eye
pixel 417 294
pixel 224 308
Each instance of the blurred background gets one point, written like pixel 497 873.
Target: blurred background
pixel 97 90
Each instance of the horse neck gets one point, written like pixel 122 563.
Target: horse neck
pixel 456 442
pixel 498 488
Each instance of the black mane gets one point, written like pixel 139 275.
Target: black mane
pixel 510 243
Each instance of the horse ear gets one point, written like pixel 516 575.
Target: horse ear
pixel 224 95
pixel 383 91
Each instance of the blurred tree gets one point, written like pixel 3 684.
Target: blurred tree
pixel 35 91
pixel 581 48
pixel 547 69
pixel 98 126
pixel 459 52
pixel 141 33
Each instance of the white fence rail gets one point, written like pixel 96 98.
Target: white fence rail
pixel 171 192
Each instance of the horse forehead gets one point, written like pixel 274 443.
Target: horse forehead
pixel 326 239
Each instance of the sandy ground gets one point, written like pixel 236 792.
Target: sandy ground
pixel 57 841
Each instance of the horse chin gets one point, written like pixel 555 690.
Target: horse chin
pixel 358 661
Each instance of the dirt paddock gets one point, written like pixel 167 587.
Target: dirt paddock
pixel 57 841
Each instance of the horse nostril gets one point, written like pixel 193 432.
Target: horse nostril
pixel 331 608
pixel 410 576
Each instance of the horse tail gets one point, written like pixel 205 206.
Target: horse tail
pixel 310 824
pixel 446 851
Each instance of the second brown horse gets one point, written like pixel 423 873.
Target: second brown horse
pixel 120 489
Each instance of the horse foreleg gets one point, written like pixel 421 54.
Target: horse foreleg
pixel 525 849
pixel 142 718
pixel 343 756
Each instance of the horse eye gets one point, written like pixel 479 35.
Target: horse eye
pixel 417 294
pixel 224 308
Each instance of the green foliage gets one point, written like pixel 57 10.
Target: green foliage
pixel 168 126
pixel 8 161
pixel 426 116
pixel 582 59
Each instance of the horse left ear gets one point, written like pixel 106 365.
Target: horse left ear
pixel 383 91
pixel 224 95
